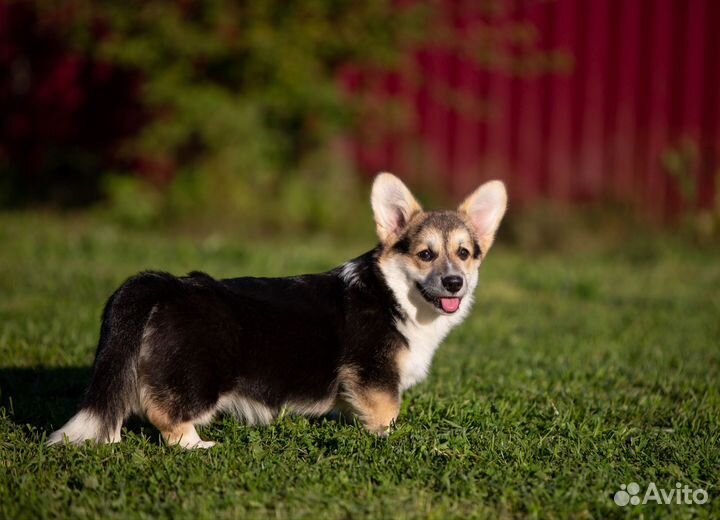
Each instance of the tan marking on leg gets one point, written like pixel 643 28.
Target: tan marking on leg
pixel 376 408
pixel 175 433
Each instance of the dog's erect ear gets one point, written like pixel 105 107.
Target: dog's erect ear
pixel 393 205
pixel 485 208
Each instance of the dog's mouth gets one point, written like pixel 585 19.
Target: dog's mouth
pixel 447 304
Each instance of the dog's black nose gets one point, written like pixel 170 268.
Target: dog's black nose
pixel 452 283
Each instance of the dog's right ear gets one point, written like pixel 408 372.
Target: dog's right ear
pixel 393 206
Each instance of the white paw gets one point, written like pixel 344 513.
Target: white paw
pixel 380 431
pixel 194 443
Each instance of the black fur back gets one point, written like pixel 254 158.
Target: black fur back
pixel 272 340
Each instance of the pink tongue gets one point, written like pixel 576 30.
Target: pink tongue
pixel 450 304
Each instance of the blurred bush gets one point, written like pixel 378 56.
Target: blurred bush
pixel 213 107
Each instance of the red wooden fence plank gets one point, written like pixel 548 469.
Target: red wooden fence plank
pixel 676 84
pixel 560 158
pixel 436 113
pixel 625 135
pixel 469 119
pixel 612 87
pixel 497 149
pixel 654 176
pixel 579 103
pixel 593 147
pixel 530 149
pixel 693 74
pixel 710 167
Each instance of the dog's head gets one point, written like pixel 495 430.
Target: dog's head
pixel 430 258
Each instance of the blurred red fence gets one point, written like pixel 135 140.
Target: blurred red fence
pixel 627 110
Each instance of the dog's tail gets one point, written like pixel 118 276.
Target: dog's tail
pixel 113 393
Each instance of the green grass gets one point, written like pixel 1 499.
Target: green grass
pixel 575 373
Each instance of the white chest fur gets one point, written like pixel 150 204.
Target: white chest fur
pixel 423 341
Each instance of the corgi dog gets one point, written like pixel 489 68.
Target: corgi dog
pixel 179 350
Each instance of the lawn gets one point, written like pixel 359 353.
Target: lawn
pixel 576 372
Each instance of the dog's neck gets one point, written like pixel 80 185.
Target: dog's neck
pixel 423 326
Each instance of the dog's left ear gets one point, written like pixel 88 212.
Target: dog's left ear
pixel 485 208
pixel 393 205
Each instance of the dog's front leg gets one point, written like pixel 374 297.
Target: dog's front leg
pixel 376 408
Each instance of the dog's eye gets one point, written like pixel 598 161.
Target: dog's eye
pixel 426 255
pixel 463 253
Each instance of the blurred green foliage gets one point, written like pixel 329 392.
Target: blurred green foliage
pixel 226 111
pixel 244 101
